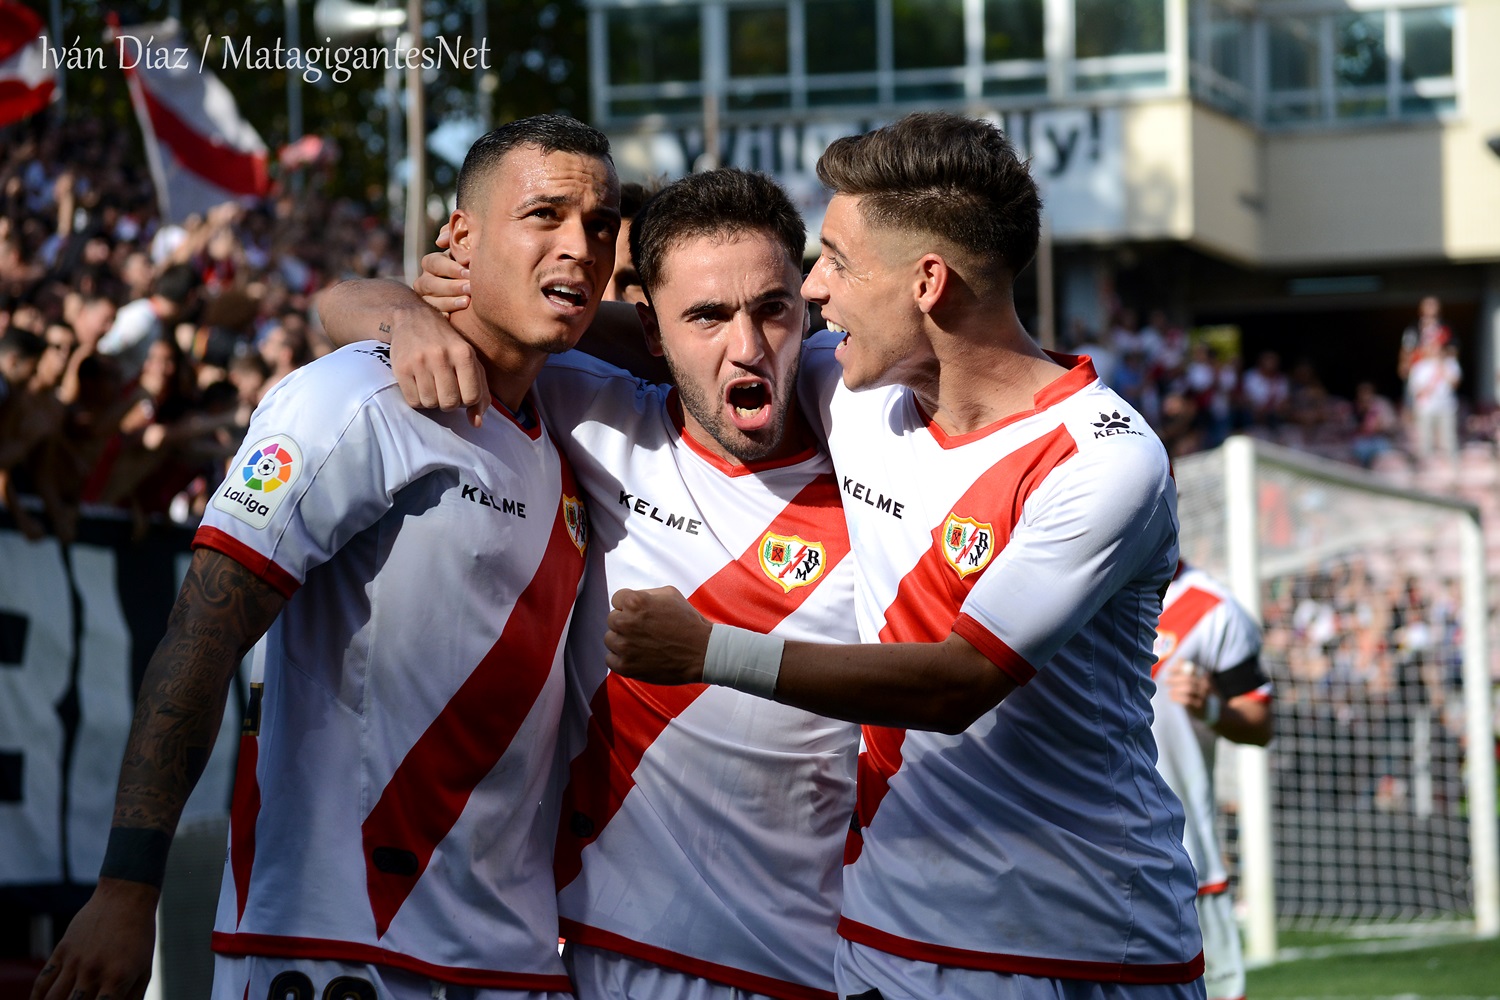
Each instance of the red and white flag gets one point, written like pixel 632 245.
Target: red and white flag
pixel 201 152
pixel 26 82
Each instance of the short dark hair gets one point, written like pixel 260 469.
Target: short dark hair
pixel 634 195
pixel 22 342
pixel 177 283
pixel 953 177
pixel 549 133
pixel 716 202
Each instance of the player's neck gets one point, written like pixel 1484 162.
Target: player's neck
pixel 509 367
pixel 984 375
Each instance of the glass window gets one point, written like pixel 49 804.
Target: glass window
pixel 757 41
pixel 654 45
pixel 1120 27
pixel 1293 43
pixel 1229 45
pixel 1012 30
pixel 840 36
pixel 1359 50
pixel 928 33
pixel 1294 54
pixel 1428 36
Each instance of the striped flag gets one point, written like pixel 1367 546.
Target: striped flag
pixel 26 82
pixel 201 151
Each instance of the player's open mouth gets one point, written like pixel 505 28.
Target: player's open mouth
pixel 749 401
pixel 838 352
pixel 566 295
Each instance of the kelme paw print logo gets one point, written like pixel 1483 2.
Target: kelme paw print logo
pixel 1110 424
pixel 1110 421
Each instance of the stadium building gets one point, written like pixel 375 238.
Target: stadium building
pixel 1305 170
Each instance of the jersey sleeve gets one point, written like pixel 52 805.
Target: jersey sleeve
pixel 1105 518
pixel 322 461
pixel 574 388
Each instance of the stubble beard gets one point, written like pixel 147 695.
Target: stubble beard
pixel 710 415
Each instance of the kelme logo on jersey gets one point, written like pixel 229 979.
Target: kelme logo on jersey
pixel 967 544
pixel 577 521
pixel 263 480
pixel 791 561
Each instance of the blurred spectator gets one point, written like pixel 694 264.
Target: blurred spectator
pixel 1432 388
pixel 1376 424
pixel 1267 392
pixel 1428 329
pixel 145 321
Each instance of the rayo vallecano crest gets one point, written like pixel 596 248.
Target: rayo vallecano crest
pixel 967 544
pixel 577 520
pixel 791 561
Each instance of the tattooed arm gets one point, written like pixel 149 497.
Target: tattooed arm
pixel 221 612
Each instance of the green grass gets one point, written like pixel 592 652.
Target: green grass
pixel 1384 969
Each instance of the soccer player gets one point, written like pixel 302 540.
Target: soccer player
pixel 1015 526
pixel 1209 683
pixel 702 832
pixel 392 825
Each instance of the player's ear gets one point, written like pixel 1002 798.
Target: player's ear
pixel 461 237
pixel 650 327
pixel 930 281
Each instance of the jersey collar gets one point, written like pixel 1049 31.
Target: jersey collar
pixel 534 430
pixel 1080 375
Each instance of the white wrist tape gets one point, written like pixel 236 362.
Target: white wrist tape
pixel 1212 706
pixel 744 660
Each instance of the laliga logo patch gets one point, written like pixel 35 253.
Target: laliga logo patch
pixel 263 480
pixel 1164 645
pixel 791 561
pixel 577 521
pixel 967 544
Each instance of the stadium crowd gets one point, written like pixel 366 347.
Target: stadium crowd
pixel 134 352
pixel 1196 394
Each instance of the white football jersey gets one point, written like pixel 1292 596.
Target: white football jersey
pixel 702 828
pixel 1201 624
pixel 396 800
pixel 1041 840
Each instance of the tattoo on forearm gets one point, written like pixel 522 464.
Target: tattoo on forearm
pixel 220 613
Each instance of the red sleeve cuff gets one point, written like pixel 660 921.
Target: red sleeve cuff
pixel 280 580
pixel 1008 660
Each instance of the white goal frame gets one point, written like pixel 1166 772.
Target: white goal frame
pixel 1242 460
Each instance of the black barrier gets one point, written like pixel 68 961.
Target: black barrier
pixel 78 624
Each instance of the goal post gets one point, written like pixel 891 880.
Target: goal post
pixel 1371 805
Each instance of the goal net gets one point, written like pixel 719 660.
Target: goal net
pixel 1367 807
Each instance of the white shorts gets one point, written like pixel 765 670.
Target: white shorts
pixel 608 975
pixel 252 977
pixel 1223 963
pixel 858 969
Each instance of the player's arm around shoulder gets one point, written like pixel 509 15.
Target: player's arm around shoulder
pixel 220 612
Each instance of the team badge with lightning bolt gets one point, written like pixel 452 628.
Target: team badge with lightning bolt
pixel 577 521
pixel 791 561
pixel 968 544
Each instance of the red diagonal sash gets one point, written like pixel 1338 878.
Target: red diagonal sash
pixel 432 785
pixel 627 716
pixel 1181 617
pixel 931 595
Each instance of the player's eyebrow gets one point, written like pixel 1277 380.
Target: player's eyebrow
pixel 710 306
pixel 611 215
pixel 832 248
